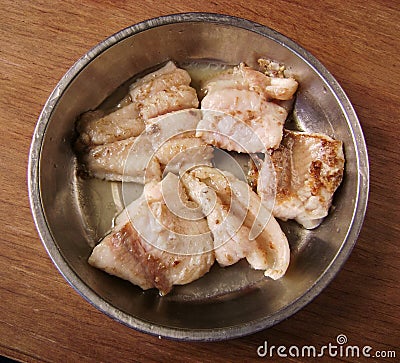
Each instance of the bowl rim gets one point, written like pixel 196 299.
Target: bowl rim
pixel 213 334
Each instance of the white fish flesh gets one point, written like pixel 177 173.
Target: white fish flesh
pixel 130 160
pixel 247 78
pixel 98 127
pixel 241 99
pixel 241 226
pixel 309 168
pixel 158 93
pixel 167 144
pixel 265 119
pixel 153 248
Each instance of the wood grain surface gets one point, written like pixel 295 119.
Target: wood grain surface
pixel 42 319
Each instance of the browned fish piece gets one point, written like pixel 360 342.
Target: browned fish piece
pixel 151 246
pixel 98 127
pixel 238 114
pixel 241 225
pixel 247 78
pixel 158 93
pixel 167 144
pixel 309 168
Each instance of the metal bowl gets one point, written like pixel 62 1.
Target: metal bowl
pixel 72 213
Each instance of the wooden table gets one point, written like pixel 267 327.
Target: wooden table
pixel 43 319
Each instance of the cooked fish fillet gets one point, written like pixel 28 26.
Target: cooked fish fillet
pixel 271 252
pixel 242 96
pixel 174 124
pixel 182 153
pixel 163 91
pixel 246 78
pixel 309 168
pixel 167 144
pixel 164 78
pixel 241 225
pixel 168 100
pixel 130 160
pixel 181 150
pixel 121 254
pixel 264 118
pixel 154 247
pixel 230 237
pixel 227 132
pixel 97 127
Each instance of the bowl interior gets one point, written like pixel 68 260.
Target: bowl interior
pixel 226 302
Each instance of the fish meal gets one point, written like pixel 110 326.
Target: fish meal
pixel 192 213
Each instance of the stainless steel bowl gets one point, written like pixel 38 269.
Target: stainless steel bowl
pixel 71 213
